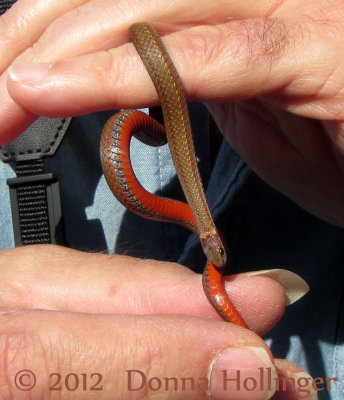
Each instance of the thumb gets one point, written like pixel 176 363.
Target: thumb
pixel 126 357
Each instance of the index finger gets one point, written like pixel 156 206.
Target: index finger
pixel 20 28
pixel 57 278
pixel 23 24
pixel 25 37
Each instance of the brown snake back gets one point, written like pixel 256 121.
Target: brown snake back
pixel 178 130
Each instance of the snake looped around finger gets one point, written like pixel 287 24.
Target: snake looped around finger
pixel 115 159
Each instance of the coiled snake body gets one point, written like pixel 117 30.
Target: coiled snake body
pixel 115 158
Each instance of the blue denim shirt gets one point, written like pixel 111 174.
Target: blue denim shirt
pixel 265 230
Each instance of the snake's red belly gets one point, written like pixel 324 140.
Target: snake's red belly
pixel 118 171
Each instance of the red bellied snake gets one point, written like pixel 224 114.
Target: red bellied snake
pixel 115 158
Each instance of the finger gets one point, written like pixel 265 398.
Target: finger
pixel 23 24
pixel 295 384
pixel 335 130
pixel 20 28
pixel 110 75
pixel 104 24
pixel 39 32
pixel 201 55
pixel 116 353
pixel 51 277
pixel 16 117
pixel 237 60
pixel 292 154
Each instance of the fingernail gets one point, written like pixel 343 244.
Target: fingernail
pixel 30 73
pixel 295 286
pixel 242 373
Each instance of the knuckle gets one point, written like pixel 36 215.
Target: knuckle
pixel 14 355
pixel 198 52
pixel 249 42
pixel 152 362
pixel 110 71
pixel 23 362
pixel 12 28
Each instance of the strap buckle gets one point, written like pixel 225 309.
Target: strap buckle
pixel 36 209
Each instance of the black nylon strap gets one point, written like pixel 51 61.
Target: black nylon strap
pixel 36 208
pixel 31 199
pixel 40 140
pixel 35 196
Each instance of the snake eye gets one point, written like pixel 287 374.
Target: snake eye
pixel 221 251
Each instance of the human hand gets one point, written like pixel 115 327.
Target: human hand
pixel 68 312
pixel 275 68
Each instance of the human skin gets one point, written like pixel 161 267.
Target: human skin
pixel 271 74
pixel 67 311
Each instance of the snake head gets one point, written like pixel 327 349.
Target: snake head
pixel 214 250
